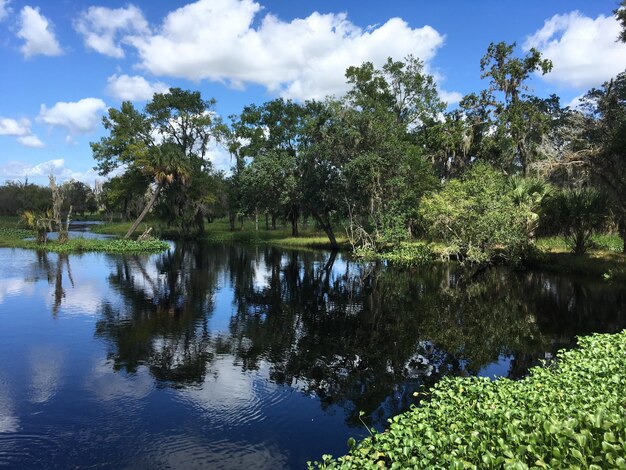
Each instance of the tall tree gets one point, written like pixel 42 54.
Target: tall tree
pixel 516 116
pixel 600 145
pixel 268 138
pixel 167 142
pixel 385 112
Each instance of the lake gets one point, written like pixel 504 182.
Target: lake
pixel 226 356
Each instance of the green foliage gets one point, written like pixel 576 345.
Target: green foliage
pixel 579 213
pixel 78 245
pixel 598 241
pixel 477 217
pixel 17 197
pixel 567 416
pixel 405 254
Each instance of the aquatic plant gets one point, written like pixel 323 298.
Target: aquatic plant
pixel 568 415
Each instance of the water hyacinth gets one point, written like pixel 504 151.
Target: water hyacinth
pixel 569 415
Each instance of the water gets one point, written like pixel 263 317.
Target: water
pixel 230 356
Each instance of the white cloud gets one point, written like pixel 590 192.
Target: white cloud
pixel 77 117
pixel 584 51
pixel 223 40
pixel 15 128
pixel 450 97
pixel 21 130
pixel 575 102
pixel 133 88
pixel 4 9
pixel 37 33
pixel 30 141
pixel 15 170
pixel 103 29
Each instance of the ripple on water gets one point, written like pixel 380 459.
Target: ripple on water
pixel 21 450
pixel 230 399
pixel 193 452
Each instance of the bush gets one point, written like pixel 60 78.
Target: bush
pixel 579 213
pixel 477 217
pixel 570 415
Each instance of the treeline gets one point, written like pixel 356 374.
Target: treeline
pixel 18 197
pixel 385 163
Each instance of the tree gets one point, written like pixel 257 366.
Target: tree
pixel 579 213
pixel 517 117
pixel 168 143
pixel 80 197
pixel 385 171
pixel 597 143
pixel 268 138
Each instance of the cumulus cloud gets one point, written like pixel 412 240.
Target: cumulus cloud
pixel 225 41
pixel 103 29
pixel 583 50
pixel 450 97
pixel 15 128
pixel 36 31
pixel 39 172
pixel 4 9
pixel 133 88
pixel 79 117
pixel 20 129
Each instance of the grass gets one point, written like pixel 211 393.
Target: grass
pixel 570 415
pixel 219 232
pixel 605 259
pixel 12 235
pixel 600 242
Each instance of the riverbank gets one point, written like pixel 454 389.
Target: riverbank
pixel 604 261
pixel 19 238
pixel 219 232
pixel 568 415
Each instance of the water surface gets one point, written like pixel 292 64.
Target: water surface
pixel 230 356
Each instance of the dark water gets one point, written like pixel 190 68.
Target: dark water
pixel 231 357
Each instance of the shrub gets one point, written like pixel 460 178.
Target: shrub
pixel 570 415
pixel 477 217
pixel 579 213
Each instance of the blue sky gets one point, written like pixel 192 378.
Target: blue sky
pixel 64 62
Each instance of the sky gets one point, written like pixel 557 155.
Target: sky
pixel 63 63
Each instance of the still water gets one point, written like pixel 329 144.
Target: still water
pixel 230 356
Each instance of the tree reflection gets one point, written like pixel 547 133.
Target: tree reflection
pixel 162 321
pixel 363 336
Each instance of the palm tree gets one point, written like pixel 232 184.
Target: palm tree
pixel 165 163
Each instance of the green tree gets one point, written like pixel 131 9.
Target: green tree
pixel 168 142
pixel 518 118
pixel 268 138
pixel 385 171
pixel 597 144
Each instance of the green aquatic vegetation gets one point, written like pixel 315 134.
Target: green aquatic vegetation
pixel 404 254
pixel 568 415
pixel 107 246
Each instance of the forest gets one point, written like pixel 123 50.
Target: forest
pixel 386 164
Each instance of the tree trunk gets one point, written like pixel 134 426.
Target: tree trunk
pixel 267 221
pixel 294 221
pixel 328 229
pixel 622 231
pixel 256 220
pixel 273 221
pixel 231 220
pixel 145 211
